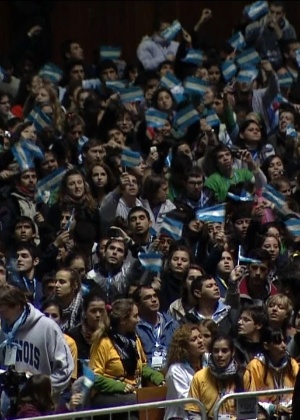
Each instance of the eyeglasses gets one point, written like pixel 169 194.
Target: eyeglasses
pixel 195 182
pixel 5 103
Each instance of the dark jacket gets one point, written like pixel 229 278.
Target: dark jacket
pixel 245 351
pixel 83 347
pixel 224 316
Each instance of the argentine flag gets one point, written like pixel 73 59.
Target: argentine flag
pixel 130 159
pixel 172 228
pixel 151 261
pixel 214 214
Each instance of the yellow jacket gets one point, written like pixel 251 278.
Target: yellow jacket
pixel 275 379
pixel 105 361
pixel 208 389
pixel 73 348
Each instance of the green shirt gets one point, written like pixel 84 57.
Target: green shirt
pixel 219 184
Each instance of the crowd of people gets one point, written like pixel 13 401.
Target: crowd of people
pixel 150 220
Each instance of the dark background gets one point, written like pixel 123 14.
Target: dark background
pixel 94 23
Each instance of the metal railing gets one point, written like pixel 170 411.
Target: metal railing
pixel 244 395
pixel 90 414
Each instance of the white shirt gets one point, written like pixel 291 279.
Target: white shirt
pixel 178 381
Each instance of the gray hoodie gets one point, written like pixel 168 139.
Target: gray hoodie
pixel 44 350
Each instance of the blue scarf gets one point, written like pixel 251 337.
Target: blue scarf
pixel 11 330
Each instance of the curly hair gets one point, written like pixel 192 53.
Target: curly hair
pixel 178 349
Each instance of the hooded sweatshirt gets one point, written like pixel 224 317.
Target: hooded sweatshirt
pixel 43 350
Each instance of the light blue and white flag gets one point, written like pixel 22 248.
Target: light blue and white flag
pixel 229 70
pixel 293 226
pixel 179 94
pixel 212 118
pixel 116 85
pixel 49 183
pixel 214 214
pixel 88 377
pixel 81 142
pixel 257 10
pixel 297 54
pixel 171 32
pixel 52 180
pixel 168 160
pixel 169 81
pixel 248 57
pixel 39 119
pixel 25 152
pixel 151 261
pixel 155 118
pixel 172 228
pixel 110 53
pixel 130 159
pixel 3 74
pixel 94 84
pixel 195 86
pixel 33 148
pixel 193 57
pixel 247 74
pixel 245 196
pixel 285 80
pixel 237 41
pixel 291 132
pixel 186 117
pixel 23 157
pixel 246 260
pixel 274 196
pixel 51 72
pixel 131 94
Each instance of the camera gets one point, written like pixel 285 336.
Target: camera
pixel 10 383
pixel 11 379
pixel 236 152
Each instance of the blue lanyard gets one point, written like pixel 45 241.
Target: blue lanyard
pixel 27 284
pixel 10 335
pixel 157 334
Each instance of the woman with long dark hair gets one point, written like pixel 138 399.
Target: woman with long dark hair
pixel 221 377
pixel 94 316
pixel 35 398
pixel 101 181
pixel 181 306
pixel 176 270
pixel 274 369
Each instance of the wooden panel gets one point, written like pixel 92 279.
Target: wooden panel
pixel 125 22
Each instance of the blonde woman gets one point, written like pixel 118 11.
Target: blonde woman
pixel 279 309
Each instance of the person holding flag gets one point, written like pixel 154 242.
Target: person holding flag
pixel 251 286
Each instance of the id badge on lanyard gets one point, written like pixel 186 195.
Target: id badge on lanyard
pixel 10 355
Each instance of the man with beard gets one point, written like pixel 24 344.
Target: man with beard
pixel 255 288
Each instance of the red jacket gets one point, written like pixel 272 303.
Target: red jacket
pixel 246 297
